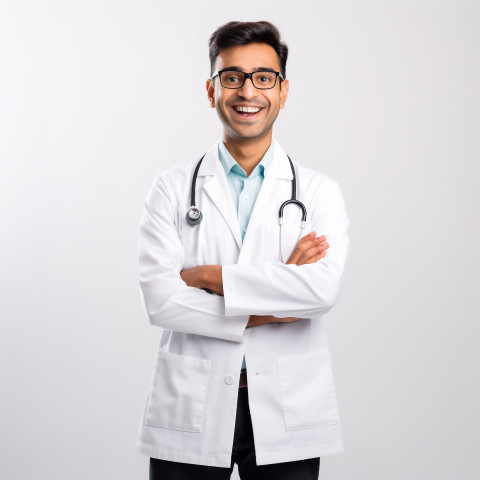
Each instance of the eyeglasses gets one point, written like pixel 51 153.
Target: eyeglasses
pixel 262 80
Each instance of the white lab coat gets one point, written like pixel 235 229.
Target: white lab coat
pixel 190 411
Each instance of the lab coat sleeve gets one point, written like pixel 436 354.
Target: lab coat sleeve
pixel 274 288
pixel 168 301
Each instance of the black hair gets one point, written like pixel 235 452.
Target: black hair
pixel 233 34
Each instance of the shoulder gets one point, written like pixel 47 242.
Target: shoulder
pixel 172 186
pixel 323 196
pixel 317 189
pixel 312 184
pixel 311 176
pixel 177 176
pixel 309 179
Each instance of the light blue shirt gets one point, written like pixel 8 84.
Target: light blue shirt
pixel 244 189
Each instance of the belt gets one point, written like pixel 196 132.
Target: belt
pixel 243 378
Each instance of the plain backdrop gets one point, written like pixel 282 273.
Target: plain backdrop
pixel 98 97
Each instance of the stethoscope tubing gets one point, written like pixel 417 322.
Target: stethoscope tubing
pixel 195 216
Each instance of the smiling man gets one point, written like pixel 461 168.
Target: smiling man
pixel 236 271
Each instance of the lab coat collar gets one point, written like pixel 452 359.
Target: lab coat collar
pixel 217 189
pixel 279 168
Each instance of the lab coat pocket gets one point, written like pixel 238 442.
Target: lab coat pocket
pixel 178 394
pixel 308 394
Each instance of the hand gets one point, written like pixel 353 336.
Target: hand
pixel 256 320
pixel 206 277
pixel 309 249
pixel 193 276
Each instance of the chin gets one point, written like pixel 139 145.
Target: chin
pixel 248 136
pixel 250 133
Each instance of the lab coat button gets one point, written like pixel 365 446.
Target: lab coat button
pixel 229 379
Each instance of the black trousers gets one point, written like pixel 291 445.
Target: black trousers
pixel 243 454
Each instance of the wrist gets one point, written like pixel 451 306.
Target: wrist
pixel 212 278
pixel 205 277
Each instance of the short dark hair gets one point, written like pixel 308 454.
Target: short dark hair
pixel 233 34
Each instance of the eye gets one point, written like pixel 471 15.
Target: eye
pixel 265 79
pixel 231 78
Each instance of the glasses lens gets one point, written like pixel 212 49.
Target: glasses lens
pixel 232 79
pixel 264 79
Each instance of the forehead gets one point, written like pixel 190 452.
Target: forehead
pixel 248 57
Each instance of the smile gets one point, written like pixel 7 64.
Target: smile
pixel 247 111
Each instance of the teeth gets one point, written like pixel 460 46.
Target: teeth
pixel 247 109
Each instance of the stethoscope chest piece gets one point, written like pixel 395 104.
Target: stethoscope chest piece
pixel 194 216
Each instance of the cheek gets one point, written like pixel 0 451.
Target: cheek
pixel 220 103
pixel 274 101
pixel 221 109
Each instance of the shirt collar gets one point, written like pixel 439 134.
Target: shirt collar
pixel 229 163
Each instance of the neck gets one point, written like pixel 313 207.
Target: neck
pixel 248 152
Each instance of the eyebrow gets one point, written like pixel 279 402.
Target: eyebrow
pixel 258 69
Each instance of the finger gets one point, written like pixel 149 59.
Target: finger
pixel 305 243
pixel 287 319
pixel 309 243
pixel 313 251
pixel 314 242
pixel 316 258
pixel 299 251
pixel 312 238
pixel 308 236
pixel 296 253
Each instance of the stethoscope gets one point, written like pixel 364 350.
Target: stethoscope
pixel 195 216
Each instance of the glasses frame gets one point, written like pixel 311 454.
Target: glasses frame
pixel 250 76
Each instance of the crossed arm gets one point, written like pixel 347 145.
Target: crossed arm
pixel 298 290
pixel 309 249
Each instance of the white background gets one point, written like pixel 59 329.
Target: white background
pixel 98 97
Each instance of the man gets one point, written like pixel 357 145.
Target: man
pixel 243 370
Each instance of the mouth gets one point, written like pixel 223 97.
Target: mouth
pixel 247 111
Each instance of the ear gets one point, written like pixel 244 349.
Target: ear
pixel 211 92
pixel 284 86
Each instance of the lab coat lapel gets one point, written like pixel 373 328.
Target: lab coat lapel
pixel 217 189
pixel 279 170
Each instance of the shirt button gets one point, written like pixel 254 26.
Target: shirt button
pixel 229 379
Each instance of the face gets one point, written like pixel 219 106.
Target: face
pixel 227 102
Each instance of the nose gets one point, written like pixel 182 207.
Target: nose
pixel 247 91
